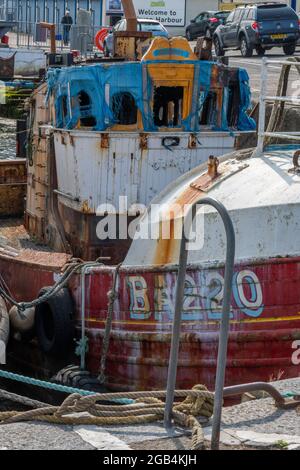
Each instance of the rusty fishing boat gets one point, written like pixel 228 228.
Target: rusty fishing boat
pixel 143 130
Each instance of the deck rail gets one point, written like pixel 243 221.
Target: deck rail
pixel 265 135
pixel 28 35
pixel 224 329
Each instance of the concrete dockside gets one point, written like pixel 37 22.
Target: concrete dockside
pixel 252 424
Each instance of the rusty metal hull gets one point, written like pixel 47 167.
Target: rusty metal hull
pixel 264 342
pixel 265 325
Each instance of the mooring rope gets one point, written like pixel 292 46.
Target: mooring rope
pixel 112 297
pixel 147 408
pixel 22 400
pixel 62 282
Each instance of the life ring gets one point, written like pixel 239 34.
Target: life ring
pixel 54 322
pixel 99 38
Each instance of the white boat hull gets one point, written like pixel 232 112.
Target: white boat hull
pixel 90 174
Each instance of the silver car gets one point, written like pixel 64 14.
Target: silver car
pixel 152 26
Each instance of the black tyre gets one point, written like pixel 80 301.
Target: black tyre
pixel 246 49
pixel 73 376
pixel 218 47
pixel 289 49
pixel 260 51
pixel 54 321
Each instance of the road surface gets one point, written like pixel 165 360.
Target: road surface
pixel 253 66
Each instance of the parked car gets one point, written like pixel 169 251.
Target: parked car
pixel 153 26
pixel 259 27
pixel 205 24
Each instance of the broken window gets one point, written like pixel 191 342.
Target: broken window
pixel 208 109
pixel 168 106
pixel 124 109
pixel 64 107
pixel 233 105
pixel 85 108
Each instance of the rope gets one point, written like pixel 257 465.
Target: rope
pixel 147 408
pixel 22 400
pixel 72 268
pixel 50 386
pixel 112 297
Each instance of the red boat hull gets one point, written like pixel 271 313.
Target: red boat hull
pixel 264 342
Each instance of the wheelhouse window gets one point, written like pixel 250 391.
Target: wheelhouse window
pixel 124 109
pixel 85 108
pixel 63 110
pixel 168 106
pixel 208 109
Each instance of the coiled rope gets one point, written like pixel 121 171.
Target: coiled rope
pixel 147 408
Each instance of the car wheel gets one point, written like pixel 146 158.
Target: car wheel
pixel 289 49
pixel 260 51
pixel 218 48
pixel 208 33
pixel 188 35
pixel 246 49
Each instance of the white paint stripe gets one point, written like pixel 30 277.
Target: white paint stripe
pixel 100 439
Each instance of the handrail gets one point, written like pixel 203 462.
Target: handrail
pixel 223 341
pixel 279 100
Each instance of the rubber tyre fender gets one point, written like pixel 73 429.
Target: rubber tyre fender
pixel 54 321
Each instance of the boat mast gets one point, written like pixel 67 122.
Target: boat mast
pixel 130 15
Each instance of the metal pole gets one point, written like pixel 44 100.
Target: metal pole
pixel 222 354
pixel 262 108
pixel 172 372
pixel 223 341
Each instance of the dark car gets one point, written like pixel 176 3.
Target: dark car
pixel 205 24
pixel 258 27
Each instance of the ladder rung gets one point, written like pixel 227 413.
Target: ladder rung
pixel 289 99
pixel 284 62
pixel 279 135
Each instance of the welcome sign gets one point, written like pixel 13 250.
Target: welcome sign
pixel 168 12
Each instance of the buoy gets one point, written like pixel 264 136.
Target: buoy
pixel 99 38
pixel 22 323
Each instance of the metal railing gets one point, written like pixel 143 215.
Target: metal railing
pixel 278 103
pixel 29 35
pixel 8 10
pixel 223 341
